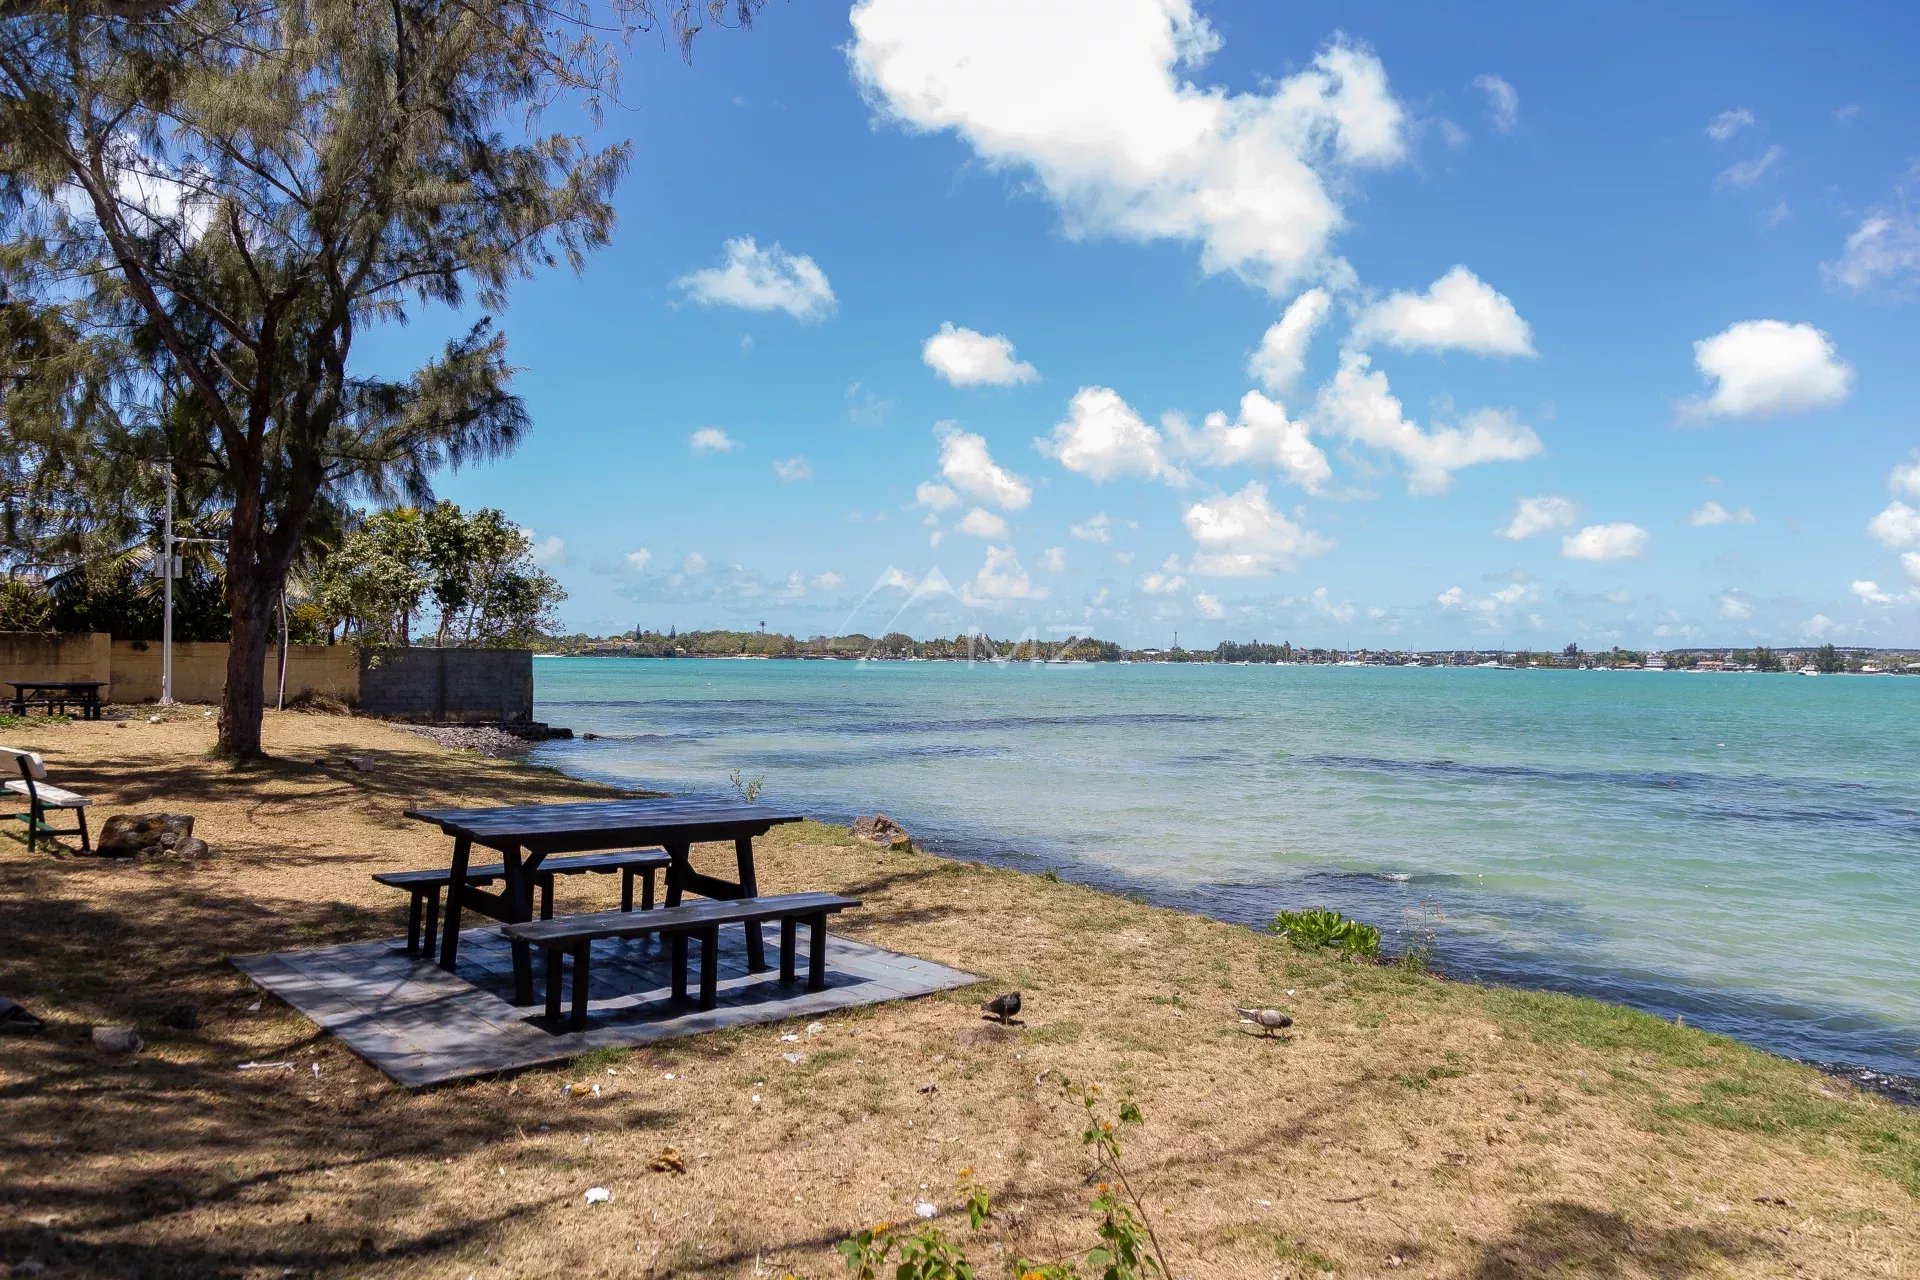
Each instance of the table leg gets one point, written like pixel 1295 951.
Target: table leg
pixel 582 951
pixel 750 888
pixel 553 993
pixel 817 957
pixel 681 854
pixel 677 950
pixel 456 886
pixel 710 966
pixel 787 941
pixel 518 895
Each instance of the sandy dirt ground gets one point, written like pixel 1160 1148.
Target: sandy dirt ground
pixel 1407 1126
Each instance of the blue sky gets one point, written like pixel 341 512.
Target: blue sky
pixel 1600 327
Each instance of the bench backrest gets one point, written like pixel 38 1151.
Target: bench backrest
pixel 32 768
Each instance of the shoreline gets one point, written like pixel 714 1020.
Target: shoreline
pixel 1474 1131
pixel 1899 1087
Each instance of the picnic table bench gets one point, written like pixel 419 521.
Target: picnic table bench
pixel 54 695
pixel 526 835
pixel 43 796
pixel 574 936
pixel 427 886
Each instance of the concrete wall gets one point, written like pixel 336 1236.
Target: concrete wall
pixel 473 686
pixel 200 671
pixel 33 655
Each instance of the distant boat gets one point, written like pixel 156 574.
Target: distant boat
pixel 1808 670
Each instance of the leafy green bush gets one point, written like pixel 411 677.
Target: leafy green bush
pixel 1320 927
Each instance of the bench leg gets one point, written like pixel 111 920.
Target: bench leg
pixel 35 816
pixel 787 928
pixel 646 891
pixel 554 968
pixel 416 915
pixel 545 885
pixel 817 953
pixel 86 845
pixel 710 966
pixel 581 950
pixel 626 888
pixel 677 961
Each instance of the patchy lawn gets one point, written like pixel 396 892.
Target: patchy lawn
pixel 1406 1126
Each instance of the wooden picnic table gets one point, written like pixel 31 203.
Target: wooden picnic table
pixel 57 693
pixel 526 834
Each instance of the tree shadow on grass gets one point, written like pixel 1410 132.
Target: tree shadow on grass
pixel 1564 1238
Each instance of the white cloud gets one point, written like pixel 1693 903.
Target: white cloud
pixel 638 560
pixel 791 470
pixel 968 467
pixel 1359 405
pixel 970 359
pixel 1054 559
pixel 1911 563
pixel 1103 438
pixel 1897 527
pixel 1617 541
pixel 936 497
pixel 981 523
pixel 1847 113
pixel 1458 312
pixel 757 279
pixel 1503 102
pixel 693 562
pixel 1262 435
pixel 1001 580
pixel 1540 515
pixel 1883 249
pixel 1283 348
pixel 1093 101
pixel 1208 606
pixel 1870 593
pixel 1730 122
pixel 1165 580
pixel 1767 367
pixel 1240 534
pixel 1905 478
pixel 1745 173
pixel 711 440
pixel 1819 625
pixel 547 551
pixel 1734 607
pixel 1323 601
pixel 1097 528
pixel 1712 513
pixel 1488 608
pixel 828 581
pixel 1748 171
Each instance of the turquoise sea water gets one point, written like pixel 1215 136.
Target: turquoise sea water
pixel 1740 850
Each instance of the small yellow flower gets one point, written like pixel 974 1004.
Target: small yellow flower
pixel 881 1228
pixel 1032 1275
pixel 1104 1187
pixel 966 1172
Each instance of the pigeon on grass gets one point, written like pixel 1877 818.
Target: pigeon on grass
pixel 1003 1007
pixel 1268 1020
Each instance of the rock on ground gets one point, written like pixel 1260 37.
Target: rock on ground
pixel 150 835
pixel 880 829
pixel 116 1040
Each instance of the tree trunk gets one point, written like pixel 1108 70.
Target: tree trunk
pixel 243 702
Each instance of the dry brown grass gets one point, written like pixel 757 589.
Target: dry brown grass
pixel 1408 1126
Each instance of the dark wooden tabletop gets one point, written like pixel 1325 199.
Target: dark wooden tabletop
pixel 57 684
pixel 641 821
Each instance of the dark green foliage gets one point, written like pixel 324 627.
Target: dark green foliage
pixel 1320 927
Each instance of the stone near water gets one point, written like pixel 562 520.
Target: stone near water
pixel 117 1040
pixel 880 829
pixel 150 835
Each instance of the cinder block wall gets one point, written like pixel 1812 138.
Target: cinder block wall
pixel 35 655
pixel 473 686
pixel 200 671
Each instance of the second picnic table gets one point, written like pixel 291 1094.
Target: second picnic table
pixel 56 694
pixel 524 835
